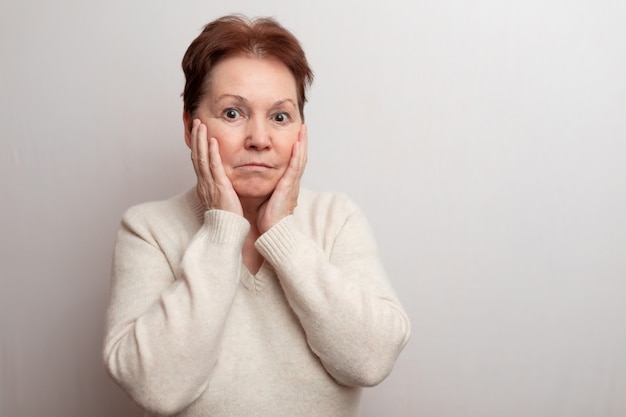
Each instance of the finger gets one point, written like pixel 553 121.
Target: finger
pixel 216 167
pixel 293 172
pixel 223 191
pixel 194 145
pixel 203 157
pixel 298 155
pixel 304 147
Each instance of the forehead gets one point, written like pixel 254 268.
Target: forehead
pixel 252 78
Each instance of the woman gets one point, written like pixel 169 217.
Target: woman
pixel 247 296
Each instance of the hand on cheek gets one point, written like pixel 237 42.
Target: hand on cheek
pixel 215 190
pixel 284 199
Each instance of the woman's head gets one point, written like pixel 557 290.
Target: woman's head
pixel 234 35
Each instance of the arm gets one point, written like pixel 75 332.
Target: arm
pixel 352 319
pixel 163 329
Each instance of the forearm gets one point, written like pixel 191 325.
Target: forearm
pixel 351 317
pixel 163 332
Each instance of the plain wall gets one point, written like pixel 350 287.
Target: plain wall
pixel 485 140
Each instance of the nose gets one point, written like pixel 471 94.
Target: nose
pixel 258 136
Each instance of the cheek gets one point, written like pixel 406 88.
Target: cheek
pixel 286 150
pixel 226 139
pixel 214 129
pixel 286 144
pixel 227 153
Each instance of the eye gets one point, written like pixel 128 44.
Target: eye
pixel 232 114
pixel 281 117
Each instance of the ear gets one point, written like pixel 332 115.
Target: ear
pixel 187 123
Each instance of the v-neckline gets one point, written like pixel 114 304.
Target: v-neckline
pixel 255 282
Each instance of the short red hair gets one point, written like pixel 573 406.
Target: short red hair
pixel 236 35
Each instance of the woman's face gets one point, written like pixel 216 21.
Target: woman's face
pixel 251 108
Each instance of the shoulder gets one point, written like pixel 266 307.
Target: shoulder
pixel 174 212
pixel 325 214
pixel 314 202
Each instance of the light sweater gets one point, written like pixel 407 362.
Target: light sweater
pixel 190 332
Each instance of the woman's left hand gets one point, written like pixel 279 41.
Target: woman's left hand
pixel 284 199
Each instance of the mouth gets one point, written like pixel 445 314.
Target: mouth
pixel 255 166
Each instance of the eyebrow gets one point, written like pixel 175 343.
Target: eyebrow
pixel 235 96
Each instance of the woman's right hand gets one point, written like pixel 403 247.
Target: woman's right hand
pixel 214 188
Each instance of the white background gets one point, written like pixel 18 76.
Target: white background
pixel 485 139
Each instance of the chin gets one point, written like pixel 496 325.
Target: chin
pixel 255 186
pixel 255 191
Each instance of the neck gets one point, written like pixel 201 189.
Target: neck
pixel 250 207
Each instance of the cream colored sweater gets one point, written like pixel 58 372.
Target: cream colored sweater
pixel 190 332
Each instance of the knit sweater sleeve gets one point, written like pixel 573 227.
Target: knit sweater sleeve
pixel 164 321
pixel 352 319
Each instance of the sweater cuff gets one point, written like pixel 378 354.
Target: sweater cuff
pixel 224 227
pixel 280 241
